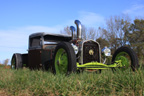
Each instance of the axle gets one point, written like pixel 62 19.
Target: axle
pixel 97 65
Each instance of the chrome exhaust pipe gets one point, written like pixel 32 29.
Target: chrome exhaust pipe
pixel 72 28
pixel 79 27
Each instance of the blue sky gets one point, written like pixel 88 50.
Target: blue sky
pixel 20 18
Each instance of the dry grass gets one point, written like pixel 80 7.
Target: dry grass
pixel 3 93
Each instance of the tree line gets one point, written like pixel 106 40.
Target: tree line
pixel 118 31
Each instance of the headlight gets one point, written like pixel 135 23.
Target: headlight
pixel 75 48
pixel 106 51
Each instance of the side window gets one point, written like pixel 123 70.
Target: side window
pixel 35 42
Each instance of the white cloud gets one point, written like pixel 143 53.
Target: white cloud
pixel 54 29
pixel 91 19
pixel 135 10
pixel 16 40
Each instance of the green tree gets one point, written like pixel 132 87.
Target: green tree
pixel 102 42
pixel 136 36
pixel 116 31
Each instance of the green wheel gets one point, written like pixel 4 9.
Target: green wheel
pixel 128 58
pixel 64 60
pixel 16 61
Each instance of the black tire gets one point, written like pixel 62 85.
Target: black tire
pixel 16 61
pixel 48 65
pixel 132 56
pixel 71 57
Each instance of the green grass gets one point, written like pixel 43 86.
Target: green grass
pixel 40 83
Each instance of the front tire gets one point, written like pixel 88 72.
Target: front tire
pixel 16 62
pixel 64 60
pixel 127 56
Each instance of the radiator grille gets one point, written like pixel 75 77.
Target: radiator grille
pixel 90 52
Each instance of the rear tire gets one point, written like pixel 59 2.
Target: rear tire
pixel 127 56
pixel 16 61
pixel 64 60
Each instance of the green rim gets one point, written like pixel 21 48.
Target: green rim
pixel 125 59
pixel 61 61
pixel 13 64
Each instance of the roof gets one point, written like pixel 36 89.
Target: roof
pixel 51 37
pixel 48 34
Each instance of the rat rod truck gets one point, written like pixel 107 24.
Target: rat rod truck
pixel 66 54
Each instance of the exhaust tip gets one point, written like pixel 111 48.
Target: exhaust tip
pixel 72 28
pixel 79 27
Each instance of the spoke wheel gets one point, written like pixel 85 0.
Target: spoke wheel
pixel 64 61
pixel 61 61
pixel 128 58
pixel 125 60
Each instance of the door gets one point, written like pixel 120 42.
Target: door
pixel 34 57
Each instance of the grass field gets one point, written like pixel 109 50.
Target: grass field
pixel 41 83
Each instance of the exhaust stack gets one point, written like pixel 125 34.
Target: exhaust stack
pixel 72 28
pixel 79 27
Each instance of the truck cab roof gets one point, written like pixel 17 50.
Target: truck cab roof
pixel 51 36
pixel 48 34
